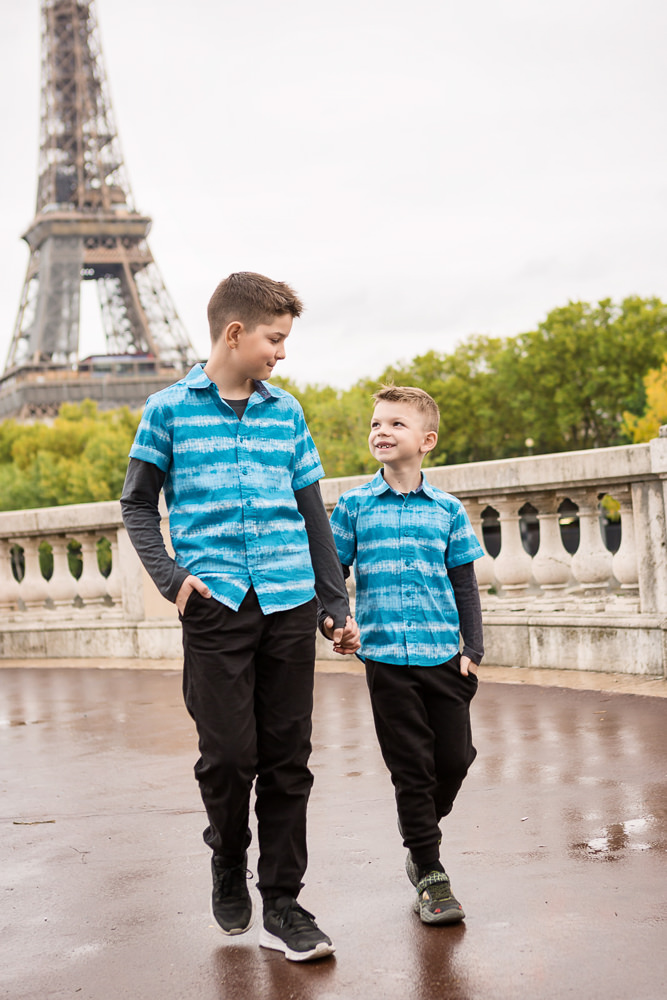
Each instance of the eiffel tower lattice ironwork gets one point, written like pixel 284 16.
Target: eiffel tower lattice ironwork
pixel 86 228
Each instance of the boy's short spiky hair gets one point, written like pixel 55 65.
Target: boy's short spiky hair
pixel 413 396
pixel 250 298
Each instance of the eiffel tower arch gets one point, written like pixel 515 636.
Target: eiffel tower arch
pixel 86 228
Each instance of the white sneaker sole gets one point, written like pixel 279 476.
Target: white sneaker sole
pixel 321 950
pixel 235 930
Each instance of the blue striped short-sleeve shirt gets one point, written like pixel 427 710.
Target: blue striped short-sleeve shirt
pixel 402 547
pixel 229 487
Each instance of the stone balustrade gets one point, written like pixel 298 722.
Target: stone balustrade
pixel 561 584
pixel 59 598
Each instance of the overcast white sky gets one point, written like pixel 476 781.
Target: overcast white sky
pixel 419 170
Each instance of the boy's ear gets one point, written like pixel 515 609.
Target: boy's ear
pixel 232 334
pixel 429 442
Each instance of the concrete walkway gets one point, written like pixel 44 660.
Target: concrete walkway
pixel 557 848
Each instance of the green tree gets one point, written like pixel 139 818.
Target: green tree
pixel 583 368
pixel 81 457
pixel 475 392
pixel 643 428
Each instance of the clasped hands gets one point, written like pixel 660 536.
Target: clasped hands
pixel 346 639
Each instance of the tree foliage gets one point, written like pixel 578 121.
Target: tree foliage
pixel 589 376
pixel 645 427
pixel 81 457
pixel 564 386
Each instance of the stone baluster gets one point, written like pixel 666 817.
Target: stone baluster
pixel 484 567
pixel 624 561
pixel 591 563
pixel 33 589
pixel 91 585
pixel 552 562
pixel 9 587
pixel 114 585
pixel 64 588
pixel 512 565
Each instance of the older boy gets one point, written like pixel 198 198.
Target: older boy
pixel 252 544
pixel 413 550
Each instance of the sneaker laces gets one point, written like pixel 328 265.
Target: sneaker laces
pixel 232 882
pixel 293 915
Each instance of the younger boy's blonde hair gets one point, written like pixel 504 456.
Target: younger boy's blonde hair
pixel 413 396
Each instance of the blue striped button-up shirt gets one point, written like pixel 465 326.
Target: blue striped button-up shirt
pixel 229 487
pixel 402 547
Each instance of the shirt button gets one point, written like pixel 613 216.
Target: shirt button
pixel 248 503
pixel 244 472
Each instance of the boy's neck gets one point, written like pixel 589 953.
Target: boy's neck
pixel 230 384
pixel 403 478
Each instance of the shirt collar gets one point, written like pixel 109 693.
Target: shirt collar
pixel 198 379
pixel 379 486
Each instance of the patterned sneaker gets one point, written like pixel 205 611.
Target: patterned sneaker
pixel 435 903
pixel 231 906
pixel 291 929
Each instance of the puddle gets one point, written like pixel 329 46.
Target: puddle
pixel 616 840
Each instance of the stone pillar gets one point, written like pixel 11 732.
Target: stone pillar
pixel 114 583
pixel 9 587
pixel 64 587
pixel 513 565
pixel 624 561
pixel 91 584
pixel 552 564
pixel 591 563
pixel 34 589
pixel 484 567
pixel 648 509
pixel 132 578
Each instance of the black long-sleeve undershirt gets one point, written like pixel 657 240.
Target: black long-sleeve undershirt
pixel 466 595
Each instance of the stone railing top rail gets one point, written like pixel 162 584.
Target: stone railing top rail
pixel 603 467
pixel 565 470
pixel 68 519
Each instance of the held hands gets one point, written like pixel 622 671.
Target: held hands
pixel 345 640
pixel 189 584
pixel 467 666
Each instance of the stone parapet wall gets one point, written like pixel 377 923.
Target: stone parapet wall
pixel 547 602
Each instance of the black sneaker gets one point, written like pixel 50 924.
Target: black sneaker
pixel 435 902
pixel 291 929
pixel 231 906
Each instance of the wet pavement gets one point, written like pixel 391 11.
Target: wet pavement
pixel 557 848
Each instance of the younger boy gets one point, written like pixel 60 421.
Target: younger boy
pixel 413 548
pixel 252 545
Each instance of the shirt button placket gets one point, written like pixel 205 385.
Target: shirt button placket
pixel 406 588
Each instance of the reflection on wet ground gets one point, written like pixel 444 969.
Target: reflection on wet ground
pixel 557 847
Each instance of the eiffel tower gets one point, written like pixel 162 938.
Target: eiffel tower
pixel 86 228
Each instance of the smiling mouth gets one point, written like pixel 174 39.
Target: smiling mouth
pixel 383 444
